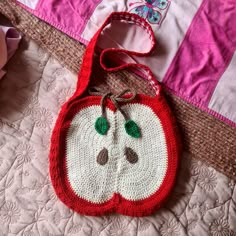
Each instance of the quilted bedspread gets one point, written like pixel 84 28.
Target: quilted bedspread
pixel 203 201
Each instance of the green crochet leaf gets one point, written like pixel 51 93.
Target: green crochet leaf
pixel 101 125
pixel 132 129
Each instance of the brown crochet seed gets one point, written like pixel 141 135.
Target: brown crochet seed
pixel 102 157
pixel 131 155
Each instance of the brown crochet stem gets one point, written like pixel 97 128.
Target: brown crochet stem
pixel 116 99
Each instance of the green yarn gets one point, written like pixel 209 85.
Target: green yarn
pixel 132 129
pixel 101 125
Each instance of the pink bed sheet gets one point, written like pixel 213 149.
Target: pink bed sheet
pixel 195 56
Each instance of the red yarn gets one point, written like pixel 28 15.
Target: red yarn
pixel 77 102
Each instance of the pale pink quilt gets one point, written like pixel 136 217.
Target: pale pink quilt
pixel 202 203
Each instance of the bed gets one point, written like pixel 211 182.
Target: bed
pixel 203 201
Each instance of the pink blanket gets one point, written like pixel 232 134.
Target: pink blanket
pixel 195 58
pixel 9 40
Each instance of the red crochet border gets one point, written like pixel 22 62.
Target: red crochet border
pixel 117 203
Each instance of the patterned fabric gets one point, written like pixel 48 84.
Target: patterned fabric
pixel 195 58
pixel 134 185
pixel 28 204
pixel 151 10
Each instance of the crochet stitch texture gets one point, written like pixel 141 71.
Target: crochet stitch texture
pixel 103 164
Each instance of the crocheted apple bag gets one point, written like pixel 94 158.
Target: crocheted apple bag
pixel 114 152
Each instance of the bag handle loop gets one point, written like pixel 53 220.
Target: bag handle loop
pixel 88 58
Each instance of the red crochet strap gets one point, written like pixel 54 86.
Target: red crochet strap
pixel 86 68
